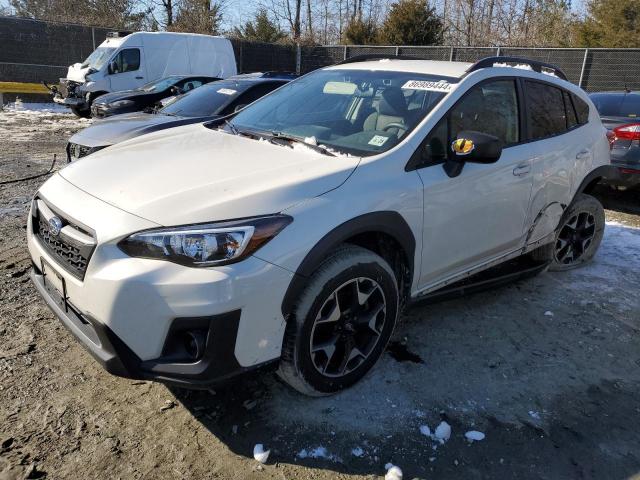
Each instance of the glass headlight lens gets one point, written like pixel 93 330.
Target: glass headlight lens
pixel 121 103
pixel 205 245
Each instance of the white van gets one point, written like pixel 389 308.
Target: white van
pixel 125 62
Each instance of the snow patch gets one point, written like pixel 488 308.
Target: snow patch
pixel 474 436
pixel 443 432
pixel 318 452
pixel 393 472
pixel 260 454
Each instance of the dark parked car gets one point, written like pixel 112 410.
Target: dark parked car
pixel 146 96
pixel 620 113
pixel 206 103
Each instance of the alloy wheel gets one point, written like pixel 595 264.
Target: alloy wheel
pixel 348 327
pixel 575 238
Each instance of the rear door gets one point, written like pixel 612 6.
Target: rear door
pixel 562 150
pixel 478 215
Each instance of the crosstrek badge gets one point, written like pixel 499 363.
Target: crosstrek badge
pixel 429 85
pixel 462 146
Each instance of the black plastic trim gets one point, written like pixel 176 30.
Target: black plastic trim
pixel 537 66
pixel 388 222
pixel 604 172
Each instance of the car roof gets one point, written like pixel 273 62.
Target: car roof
pixel 429 67
pixel 615 92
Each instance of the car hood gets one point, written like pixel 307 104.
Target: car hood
pixel 108 98
pixel 194 174
pixel 77 73
pixel 129 125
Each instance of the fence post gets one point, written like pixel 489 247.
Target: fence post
pixel 344 56
pixel 498 52
pixel 584 65
pixel 451 55
pixel 93 37
pixel 298 59
pixel 397 51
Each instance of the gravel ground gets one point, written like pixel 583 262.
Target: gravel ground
pixel 548 368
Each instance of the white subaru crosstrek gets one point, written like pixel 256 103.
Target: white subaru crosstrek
pixel 293 233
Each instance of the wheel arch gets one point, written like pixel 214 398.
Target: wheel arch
pixel 385 233
pixel 594 177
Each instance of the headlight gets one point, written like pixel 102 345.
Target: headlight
pixel 121 103
pixel 205 245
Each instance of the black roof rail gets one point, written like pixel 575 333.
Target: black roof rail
pixel 534 64
pixel 376 56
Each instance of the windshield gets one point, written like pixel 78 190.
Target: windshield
pixel 207 100
pixel 98 58
pixel 162 84
pixel 617 104
pixel 361 112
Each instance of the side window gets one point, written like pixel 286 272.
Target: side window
pixel 127 60
pixel 546 110
pixel 188 85
pixel 251 96
pixel 572 121
pixel 490 108
pixel 582 109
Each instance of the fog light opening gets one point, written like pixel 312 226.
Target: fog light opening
pixel 194 343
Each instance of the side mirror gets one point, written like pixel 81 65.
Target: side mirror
pixel 473 147
pixel 113 68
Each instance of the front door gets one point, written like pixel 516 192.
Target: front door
pixel 126 70
pixel 480 214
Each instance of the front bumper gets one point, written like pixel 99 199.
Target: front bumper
pixel 216 365
pixel 70 101
pixel 126 311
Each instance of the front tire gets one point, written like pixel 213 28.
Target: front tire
pixel 341 324
pixel 81 112
pixel 578 236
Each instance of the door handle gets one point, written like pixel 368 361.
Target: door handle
pixel 582 154
pixel 521 170
pixel 139 78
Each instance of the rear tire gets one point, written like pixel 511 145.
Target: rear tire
pixel 341 324
pixel 578 235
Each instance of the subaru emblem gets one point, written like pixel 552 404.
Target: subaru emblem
pixel 55 225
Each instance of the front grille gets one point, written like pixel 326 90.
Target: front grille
pixel 72 254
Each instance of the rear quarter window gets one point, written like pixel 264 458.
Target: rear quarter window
pixel 582 109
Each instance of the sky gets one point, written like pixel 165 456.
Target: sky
pixel 237 12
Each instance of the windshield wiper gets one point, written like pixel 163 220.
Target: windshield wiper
pixel 288 138
pixel 232 127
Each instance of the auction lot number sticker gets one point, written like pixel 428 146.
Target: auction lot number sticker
pixel 430 85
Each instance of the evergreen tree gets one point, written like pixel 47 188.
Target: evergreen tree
pixel 412 22
pixel 361 32
pixel 261 29
pixel 611 23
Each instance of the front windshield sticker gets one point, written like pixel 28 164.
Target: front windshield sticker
pixel 429 85
pixel 378 140
pixel 227 91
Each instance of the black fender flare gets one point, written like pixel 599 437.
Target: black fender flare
pixel 388 222
pixel 608 172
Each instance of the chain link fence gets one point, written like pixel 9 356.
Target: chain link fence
pixel 33 51
pixel 592 69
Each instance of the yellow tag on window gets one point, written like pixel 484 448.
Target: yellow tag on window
pixel 462 146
